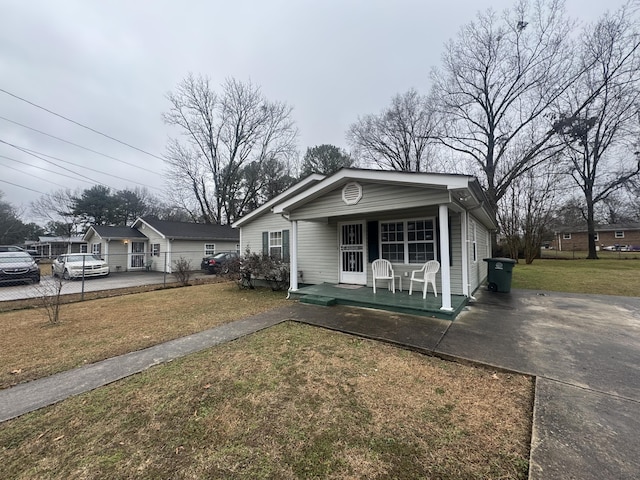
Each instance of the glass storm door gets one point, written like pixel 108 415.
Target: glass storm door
pixel 352 265
pixel 137 254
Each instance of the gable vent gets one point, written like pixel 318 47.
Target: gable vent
pixel 351 193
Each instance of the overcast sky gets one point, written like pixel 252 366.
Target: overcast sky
pixel 109 64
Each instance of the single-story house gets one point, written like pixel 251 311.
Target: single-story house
pixel 331 228
pixel 570 238
pixel 155 245
pixel 52 246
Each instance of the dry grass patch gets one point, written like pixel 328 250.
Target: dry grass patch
pixel 97 329
pixel 290 402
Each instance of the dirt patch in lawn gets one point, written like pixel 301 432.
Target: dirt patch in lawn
pixel 93 330
pixel 293 401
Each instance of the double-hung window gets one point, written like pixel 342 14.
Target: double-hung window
pixel 155 249
pixel 209 249
pixel 275 244
pixel 408 241
pixel 96 248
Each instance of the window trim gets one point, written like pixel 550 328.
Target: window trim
pixel 406 241
pixel 155 252
pixel 566 236
pixel 474 242
pixel 98 250
pixel 596 237
pixel 209 251
pixel 618 234
pixel 272 245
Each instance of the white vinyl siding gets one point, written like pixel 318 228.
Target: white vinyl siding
pixel 375 198
pixel 251 233
pixel 478 238
pixel 318 253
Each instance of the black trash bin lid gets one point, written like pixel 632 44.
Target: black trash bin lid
pixel 503 260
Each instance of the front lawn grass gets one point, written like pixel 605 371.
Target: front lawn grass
pixel 94 330
pixel 606 276
pixel 292 401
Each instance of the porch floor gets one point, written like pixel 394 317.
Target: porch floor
pixel 383 299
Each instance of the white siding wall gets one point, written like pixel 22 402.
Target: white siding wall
pixel 158 263
pixel 375 198
pixel 484 251
pixel 318 252
pixel 478 269
pixel 117 256
pixel 251 234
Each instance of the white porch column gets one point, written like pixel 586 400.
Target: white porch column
pixel 465 253
pixel 445 267
pixel 293 252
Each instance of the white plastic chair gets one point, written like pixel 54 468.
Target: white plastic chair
pixel 426 275
pixel 382 270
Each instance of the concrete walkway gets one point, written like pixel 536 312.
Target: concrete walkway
pixel 583 349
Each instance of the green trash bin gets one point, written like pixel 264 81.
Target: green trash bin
pixel 499 274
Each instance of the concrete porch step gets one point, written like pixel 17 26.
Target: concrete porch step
pixel 318 300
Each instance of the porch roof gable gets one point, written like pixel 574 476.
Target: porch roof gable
pixel 312 179
pixel 464 189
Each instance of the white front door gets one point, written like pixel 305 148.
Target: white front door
pixel 352 254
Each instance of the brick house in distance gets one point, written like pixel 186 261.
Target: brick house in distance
pixel 615 235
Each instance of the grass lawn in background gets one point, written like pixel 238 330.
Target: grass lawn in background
pixel 94 330
pixel 606 276
pixel 292 401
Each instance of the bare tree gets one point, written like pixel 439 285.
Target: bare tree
pixel 526 210
pixel 602 139
pixel 498 80
pixel 57 210
pixel 397 138
pixel 224 133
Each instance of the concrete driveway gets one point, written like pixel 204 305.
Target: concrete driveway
pixel 583 349
pixel 585 352
pixel 114 280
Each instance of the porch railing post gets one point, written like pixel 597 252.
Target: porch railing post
pixel 293 267
pixel 445 267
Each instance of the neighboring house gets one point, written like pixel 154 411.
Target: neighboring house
pixel 154 244
pixel 332 228
pixel 576 238
pixel 51 247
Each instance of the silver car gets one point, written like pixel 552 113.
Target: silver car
pixel 78 265
pixel 18 266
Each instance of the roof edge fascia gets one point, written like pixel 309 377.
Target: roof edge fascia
pixel 450 181
pixel 291 191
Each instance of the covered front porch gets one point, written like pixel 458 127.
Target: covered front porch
pixel 399 302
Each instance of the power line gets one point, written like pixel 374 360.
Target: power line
pixel 80 124
pixel 31 175
pixel 50 171
pixel 52 163
pixel 92 169
pixel 20 186
pixel 78 145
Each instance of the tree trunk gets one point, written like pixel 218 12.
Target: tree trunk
pixel 591 229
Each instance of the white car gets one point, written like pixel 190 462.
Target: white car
pixel 78 265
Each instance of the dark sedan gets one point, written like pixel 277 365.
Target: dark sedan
pixel 219 263
pixel 18 267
